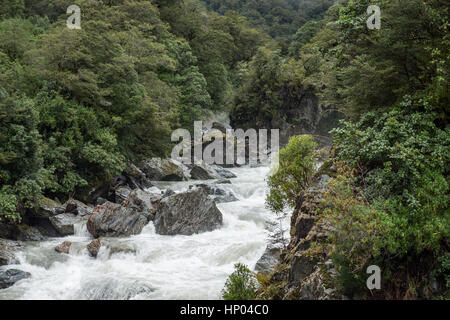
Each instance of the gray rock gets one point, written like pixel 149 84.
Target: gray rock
pixel 64 223
pixel 64 247
pixel 122 193
pixel 100 201
pixel 157 169
pixel 128 218
pixel 203 172
pixel 136 178
pixel 78 208
pixel 28 233
pixel 187 213
pixel 47 208
pixel 168 193
pixel 218 194
pixel 224 173
pixel 268 260
pixel 9 277
pixel 8 249
pixel 223 181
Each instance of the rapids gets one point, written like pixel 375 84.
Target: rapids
pixel 163 267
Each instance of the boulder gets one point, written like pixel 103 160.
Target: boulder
pixel 78 208
pixel 157 169
pixel 47 208
pixel 64 247
pixel 8 249
pixel 128 218
pixel 187 213
pixel 224 173
pixel 218 194
pixel 136 178
pixel 203 172
pixel 122 193
pixel 9 277
pixel 28 233
pixel 223 181
pixel 94 247
pixel 64 223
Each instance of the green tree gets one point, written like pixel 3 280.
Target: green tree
pixel 240 285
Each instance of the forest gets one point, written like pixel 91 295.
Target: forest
pixel 79 106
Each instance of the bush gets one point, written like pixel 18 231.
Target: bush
pixel 241 284
pixel 296 169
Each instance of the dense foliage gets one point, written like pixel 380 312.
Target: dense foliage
pixel 241 284
pixel 294 174
pixel 77 105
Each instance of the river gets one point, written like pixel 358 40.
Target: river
pixel 162 267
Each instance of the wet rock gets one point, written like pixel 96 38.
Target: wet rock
pixel 168 193
pixel 122 193
pixel 121 248
pixel 100 201
pixel 224 173
pixel 8 249
pixel 9 277
pixel 64 223
pixel 47 208
pixel 187 213
pixel 94 247
pixel 28 233
pixel 203 172
pixel 157 169
pixel 78 208
pixel 218 194
pixel 128 218
pixel 268 260
pixel 223 181
pixel 64 247
pixel 136 178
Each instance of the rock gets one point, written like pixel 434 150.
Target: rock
pixel 223 181
pixel 28 233
pixel 64 247
pixel 203 172
pixel 122 193
pixel 216 193
pixel 136 178
pixel 8 249
pixel 324 178
pixel 47 208
pixel 268 260
pixel 128 218
pixel 120 248
pixel 64 223
pixel 224 173
pixel 100 201
pixel 187 213
pixel 78 208
pixel 94 247
pixel 157 169
pixel 168 193
pixel 9 277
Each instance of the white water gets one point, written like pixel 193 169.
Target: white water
pixel 163 267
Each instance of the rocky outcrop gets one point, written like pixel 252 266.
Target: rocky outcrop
pixel 8 251
pixel 157 169
pixel 220 195
pixel 47 208
pixel 78 208
pixel 187 213
pixel 64 223
pixel 64 247
pixel 9 277
pixel 269 259
pixel 25 232
pixel 299 274
pixel 203 172
pixel 128 218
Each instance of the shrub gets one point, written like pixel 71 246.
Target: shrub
pixel 241 284
pixel 296 169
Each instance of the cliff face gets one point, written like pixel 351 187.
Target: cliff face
pixel 299 274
